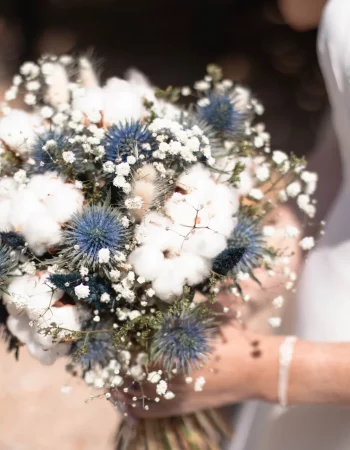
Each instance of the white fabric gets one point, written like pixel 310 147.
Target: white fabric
pixel 323 301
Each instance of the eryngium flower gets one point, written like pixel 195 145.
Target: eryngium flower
pixel 11 239
pixel 182 341
pixel 48 149
pixel 97 349
pixel 245 250
pixel 221 114
pixel 97 287
pixel 8 261
pixel 129 139
pixel 96 228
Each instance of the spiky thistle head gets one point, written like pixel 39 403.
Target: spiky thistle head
pixel 95 348
pixel 219 110
pixel 8 262
pixel 12 239
pixel 48 148
pixel 245 250
pixel 98 286
pixel 129 139
pixel 183 340
pixel 191 119
pixel 93 238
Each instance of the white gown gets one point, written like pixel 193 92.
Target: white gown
pixel 323 301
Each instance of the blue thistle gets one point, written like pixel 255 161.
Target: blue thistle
pixel 8 261
pixel 97 227
pixel 12 239
pixel 46 160
pixel 245 250
pixel 222 115
pixel 97 349
pixel 129 139
pixel 182 341
pixel 97 285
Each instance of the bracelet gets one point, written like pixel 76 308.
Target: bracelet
pixel 285 358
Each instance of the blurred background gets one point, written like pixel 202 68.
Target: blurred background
pixel 42 408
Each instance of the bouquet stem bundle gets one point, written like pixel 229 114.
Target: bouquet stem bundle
pixel 202 430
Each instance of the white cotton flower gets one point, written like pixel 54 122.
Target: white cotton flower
pixel 8 187
pixel 307 243
pixel 19 130
pixel 82 291
pixel 68 157
pixel 30 301
pixel 60 199
pixel 104 256
pixel 279 157
pixel 293 189
pixel 169 256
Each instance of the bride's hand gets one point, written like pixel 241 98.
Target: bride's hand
pixel 234 374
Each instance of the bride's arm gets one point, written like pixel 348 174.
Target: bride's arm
pixel 319 373
pixel 246 366
pixel 302 14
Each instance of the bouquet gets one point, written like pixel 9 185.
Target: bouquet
pixel 124 211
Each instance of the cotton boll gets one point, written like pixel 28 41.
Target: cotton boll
pixel 87 73
pixel 58 86
pixel 18 130
pixel 30 217
pixel 169 283
pixel 68 316
pixel 61 199
pixel 42 235
pixel 90 101
pixel 193 268
pixel 159 231
pixel 147 260
pixel 7 190
pixel 25 206
pixel 30 292
pixel 140 84
pixel 45 356
pixel 121 102
pixel 19 327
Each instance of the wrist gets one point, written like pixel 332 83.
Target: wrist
pixel 265 368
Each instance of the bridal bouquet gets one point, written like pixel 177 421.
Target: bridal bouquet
pixel 123 214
